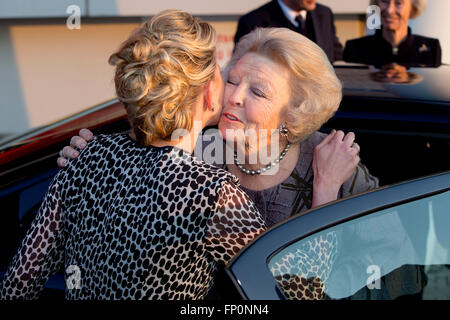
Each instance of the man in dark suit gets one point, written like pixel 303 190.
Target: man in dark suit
pixel 307 17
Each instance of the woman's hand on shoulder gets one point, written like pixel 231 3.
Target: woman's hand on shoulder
pixel 334 162
pixel 69 152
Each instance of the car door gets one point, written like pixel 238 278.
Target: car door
pixel 391 243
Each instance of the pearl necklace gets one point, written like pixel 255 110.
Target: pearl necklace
pixel 268 167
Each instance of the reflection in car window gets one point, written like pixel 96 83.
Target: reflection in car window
pixel 396 253
pixel 302 269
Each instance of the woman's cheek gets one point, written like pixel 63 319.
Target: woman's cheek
pixel 227 91
pixel 266 119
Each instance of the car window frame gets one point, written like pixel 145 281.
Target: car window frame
pixel 248 270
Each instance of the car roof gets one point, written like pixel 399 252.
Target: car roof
pixel 16 146
pixel 428 85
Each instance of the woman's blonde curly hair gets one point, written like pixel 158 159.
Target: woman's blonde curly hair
pixel 161 70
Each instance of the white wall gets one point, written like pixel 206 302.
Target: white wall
pixel 346 6
pixel 48 72
pixel 10 9
pixel 203 7
pixel 13 114
pixel 112 8
pixel 435 23
pixel 151 7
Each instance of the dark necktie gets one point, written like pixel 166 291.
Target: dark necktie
pixel 301 24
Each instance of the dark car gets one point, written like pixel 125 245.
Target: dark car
pixel 391 243
pixel 403 128
pixel 403 131
pixel 28 165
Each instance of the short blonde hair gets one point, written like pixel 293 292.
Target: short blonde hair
pixel 316 92
pixel 160 72
pixel 418 6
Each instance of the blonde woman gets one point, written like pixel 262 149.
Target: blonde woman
pixel 136 216
pixel 395 42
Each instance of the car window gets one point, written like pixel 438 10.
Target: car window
pixel 396 253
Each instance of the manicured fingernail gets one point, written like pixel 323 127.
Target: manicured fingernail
pixel 64 162
pixel 82 145
pixel 75 154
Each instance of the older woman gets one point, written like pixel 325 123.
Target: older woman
pixel 280 89
pixel 394 42
pixel 136 216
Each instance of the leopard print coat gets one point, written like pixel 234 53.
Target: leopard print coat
pixel 136 222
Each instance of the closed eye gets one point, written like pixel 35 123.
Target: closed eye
pixel 258 93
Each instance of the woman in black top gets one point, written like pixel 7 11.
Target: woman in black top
pixel 394 42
